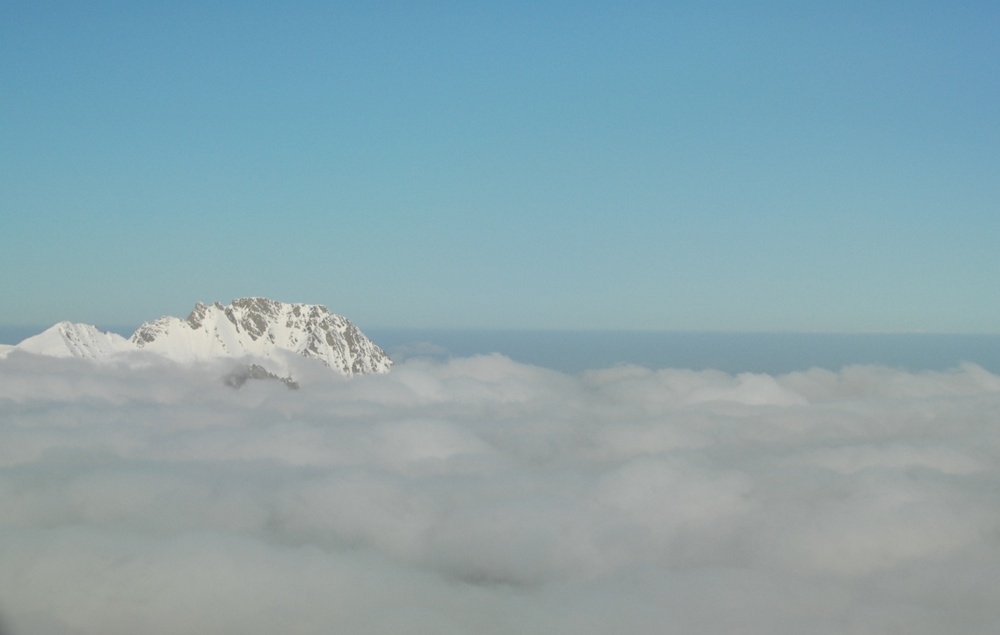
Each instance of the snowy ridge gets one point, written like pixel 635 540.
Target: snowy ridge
pixel 248 327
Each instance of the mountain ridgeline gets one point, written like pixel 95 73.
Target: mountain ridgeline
pixel 248 327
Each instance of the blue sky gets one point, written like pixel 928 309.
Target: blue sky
pixel 769 166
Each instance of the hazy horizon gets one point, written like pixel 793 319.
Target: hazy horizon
pixel 574 351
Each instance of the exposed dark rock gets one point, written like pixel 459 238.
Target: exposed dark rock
pixel 240 376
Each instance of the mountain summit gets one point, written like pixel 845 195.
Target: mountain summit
pixel 257 327
pixel 247 327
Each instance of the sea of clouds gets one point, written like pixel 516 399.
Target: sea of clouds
pixel 481 495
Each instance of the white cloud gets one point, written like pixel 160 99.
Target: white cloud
pixel 483 495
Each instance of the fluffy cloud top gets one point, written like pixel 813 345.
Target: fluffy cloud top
pixel 482 495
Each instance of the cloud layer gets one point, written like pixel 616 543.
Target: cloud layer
pixel 483 495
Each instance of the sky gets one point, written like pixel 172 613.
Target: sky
pixel 769 166
pixel 482 495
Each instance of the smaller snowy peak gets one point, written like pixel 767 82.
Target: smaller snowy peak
pixel 68 339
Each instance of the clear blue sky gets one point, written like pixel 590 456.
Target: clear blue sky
pixel 804 166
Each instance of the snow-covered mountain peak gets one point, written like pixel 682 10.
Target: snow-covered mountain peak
pixel 256 328
pixel 259 327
